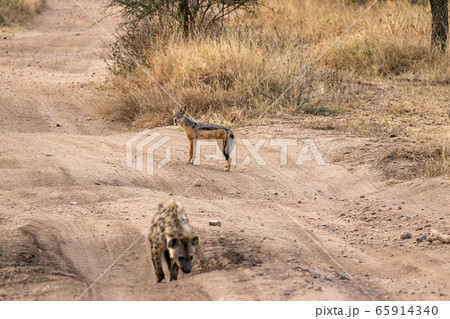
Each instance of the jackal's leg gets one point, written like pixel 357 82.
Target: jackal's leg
pixel 227 169
pixel 191 152
pixel 222 144
pixel 156 259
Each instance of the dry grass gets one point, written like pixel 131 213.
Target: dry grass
pixel 13 12
pixel 232 77
pixel 382 74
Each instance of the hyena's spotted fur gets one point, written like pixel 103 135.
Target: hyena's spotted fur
pixel 171 238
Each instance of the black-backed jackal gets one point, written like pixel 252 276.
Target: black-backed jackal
pixel 195 130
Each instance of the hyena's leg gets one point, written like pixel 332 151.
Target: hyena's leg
pixel 168 259
pixel 156 259
pixel 174 272
pixel 173 267
pixel 191 152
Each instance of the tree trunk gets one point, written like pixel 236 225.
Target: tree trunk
pixel 184 11
pixel 439 25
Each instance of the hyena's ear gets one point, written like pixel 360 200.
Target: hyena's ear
pixel 172 242
pixel 195 241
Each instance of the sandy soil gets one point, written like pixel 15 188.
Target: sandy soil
pixel 55 150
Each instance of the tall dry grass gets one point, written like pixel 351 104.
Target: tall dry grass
pixel 230 78
pixel 19 11
pixel 381 78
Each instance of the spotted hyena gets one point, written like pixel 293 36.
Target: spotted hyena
pixel 170 237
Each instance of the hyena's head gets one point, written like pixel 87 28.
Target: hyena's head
pixel 182 251
pixel 178 115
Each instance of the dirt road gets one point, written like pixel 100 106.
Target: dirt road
pixel 70 206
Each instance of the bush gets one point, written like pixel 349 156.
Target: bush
pixel 191 15
pixel 19 11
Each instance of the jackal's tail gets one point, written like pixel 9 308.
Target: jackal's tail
pixel 231 141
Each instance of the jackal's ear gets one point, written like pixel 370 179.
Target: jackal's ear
pixel 183 110
pixel 195 241
pixel 172 242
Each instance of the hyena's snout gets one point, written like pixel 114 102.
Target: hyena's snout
pixel 187 268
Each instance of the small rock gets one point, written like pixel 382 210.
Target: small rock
pixel 428 225
pixel 74 203
pixel 342 276
pixel 328 277
pixel 215 223
pixel 405 235
pixel 421 238
pixel 419 228
pixel 58 125
pixel 319 289
pixel 287 293
pixel 316 275
pixel 299 201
